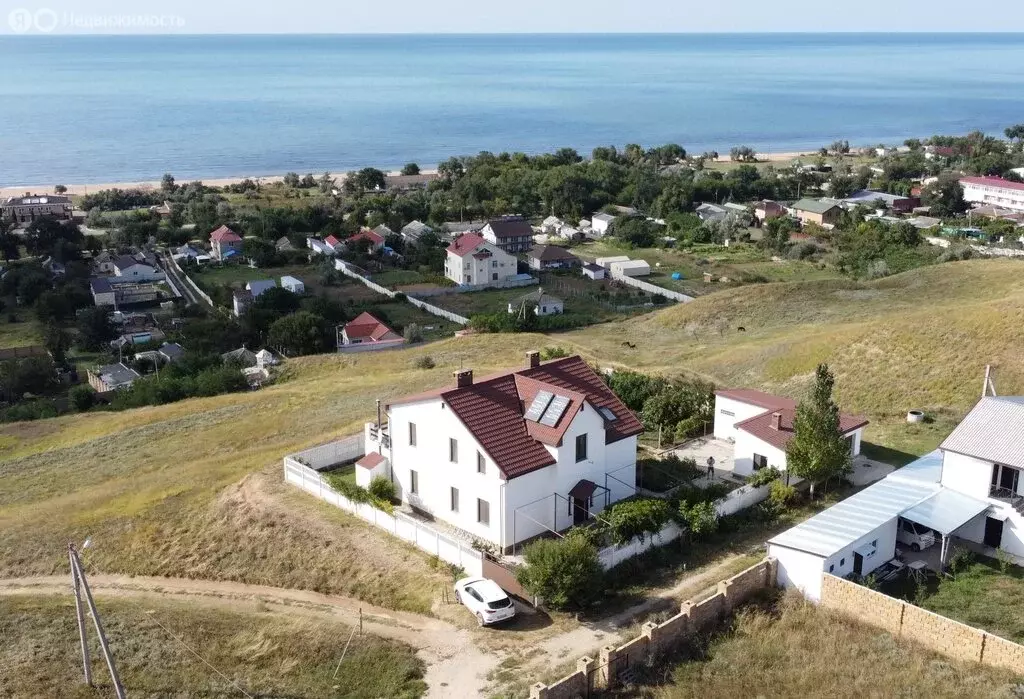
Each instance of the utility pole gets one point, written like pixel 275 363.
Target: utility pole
pixel 76 569
pixel 76 584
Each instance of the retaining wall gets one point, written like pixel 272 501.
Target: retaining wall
pixel 656 639
pixel 932 631
pixel 649 288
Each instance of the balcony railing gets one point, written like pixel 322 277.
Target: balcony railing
pixel 1007 495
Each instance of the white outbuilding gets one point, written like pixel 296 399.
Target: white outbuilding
pixel 631 268
pixel 293 285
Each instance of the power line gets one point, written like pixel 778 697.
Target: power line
pixel 195 653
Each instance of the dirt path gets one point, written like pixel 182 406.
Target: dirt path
pixel 455 666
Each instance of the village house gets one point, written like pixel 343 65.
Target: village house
pixel 376 242
pixel 995 191
pixel 366 333
pixel 875 199
pixel 760 426
pixel 319 246
pixel 28 208
pixel 545 257
pixel 225 243
pixel 766 210
pixel 242 356
pixel 593 271
pixel 509 457
pixel 473 261
pixel 823 212
pixel 241 300
pixel 112 377
pixel 127 268
pixel 414 230
pixel 510 234
pixel 600 223
pixel 283 244
pixel 538 303
pixel 969 489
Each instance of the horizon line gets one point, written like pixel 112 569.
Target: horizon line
pixel 463 34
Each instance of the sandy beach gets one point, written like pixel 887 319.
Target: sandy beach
pixel 80 189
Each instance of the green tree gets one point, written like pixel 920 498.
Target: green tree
pixel 167 184
pixel 57 341
pixel 776 233
pixel 635 519
pixel 818 450
pixel 636 231
pixel 634 388
pixel 297 334
pixel 8 244
pixel 701 518
pixel 410 169
pixel 291 179
pixel 60 189
pixel 564 572
pixel 743 154
pixel 1015 132
pixel 82 398
pixel 945 197
pixel 94 328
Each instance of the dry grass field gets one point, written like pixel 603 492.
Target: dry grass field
pixel 797 650
pixel 267 655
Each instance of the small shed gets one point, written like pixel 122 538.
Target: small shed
pixel 293 285
pixel 607 262
pixel 594 271
pixel 631 268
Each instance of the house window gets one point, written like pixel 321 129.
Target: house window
pixel 455 499
pixel 494 264
pixel 453 450
pixel 481 463
pixel 494 277
pixel 760 461
pixel 842 562
pixel 414 482
pixel 483 512
pixel 832 568
pixel 581 448
pixel 412 434
pixel 727 413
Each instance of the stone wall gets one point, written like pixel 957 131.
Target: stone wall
pixel 907 622
pixel 655 639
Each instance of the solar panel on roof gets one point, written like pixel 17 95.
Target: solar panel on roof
pixel 554 412
pixel 539 405
pixel 608 414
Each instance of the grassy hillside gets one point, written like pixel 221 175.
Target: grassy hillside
pixel 266 654
pixel 194 488
pixel 797 650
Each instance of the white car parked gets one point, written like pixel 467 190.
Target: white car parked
pixel 914 535
pixel 485 599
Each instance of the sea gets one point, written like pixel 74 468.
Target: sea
pixel 81 109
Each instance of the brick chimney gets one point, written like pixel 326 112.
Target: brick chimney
pixel 464 378
pixel 776 421
pixel 532 359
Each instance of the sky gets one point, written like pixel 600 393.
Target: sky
pixel 519 16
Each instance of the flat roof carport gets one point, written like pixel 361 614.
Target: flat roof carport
pixel 945 512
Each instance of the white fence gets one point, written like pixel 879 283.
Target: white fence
pixel 188 280
pixel 325 455
pixel 649 288
pixel 417 533
pixel 343 267
pixel 736 500
pixel 489 286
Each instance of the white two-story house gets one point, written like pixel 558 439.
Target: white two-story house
pixel 509 457
pixel 760 426
pixel 472 261
pixel 969 489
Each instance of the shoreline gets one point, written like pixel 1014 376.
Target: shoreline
pixel 149 185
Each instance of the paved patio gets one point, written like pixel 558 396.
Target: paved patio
pixel 701 448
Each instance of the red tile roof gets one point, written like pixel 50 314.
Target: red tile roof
pixel 225 235
pixel 466 243
pixel 993 182
pixel 761 426
pixel 493 409
pixel 367 234
pixel 761 399
pixel 371 460
pixel 332 241
pixel 365 326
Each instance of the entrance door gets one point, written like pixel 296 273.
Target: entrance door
pixel 858 563
pixel 1008 479
pixel 580 510
pixel 993 532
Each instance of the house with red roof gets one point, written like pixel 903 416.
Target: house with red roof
pixel 366 333
pixel 376 239
pixel 510 457
pixel 473 261
pixel 994 191
pixel 225 243
pixel 760 425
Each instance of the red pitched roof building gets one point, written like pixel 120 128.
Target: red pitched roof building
pixel 365 333
pixel 376 240
pixel 760 426
pixel 225 243
pixel 473 261
pixel 511 456
pixel 994 191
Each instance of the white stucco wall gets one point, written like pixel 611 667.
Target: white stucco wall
pixel 725 422
pixel 966 474
pixel 746 446
pixel 885 536
pixel 799 570
pixel 480 272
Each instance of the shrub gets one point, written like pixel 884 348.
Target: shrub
pixel 764 476
pixel 660 475
pixel 802 251
pixel 30 410
pixel 701 519
pixel 635 519
pixel 381 488
pixel 563 572
pixel 82 398
pixel 553 353
pixel 425 362
pixel 413 333
pixel 350 490
pixel 399 296
pixel 782 495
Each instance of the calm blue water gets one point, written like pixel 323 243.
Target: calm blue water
pixel 87 109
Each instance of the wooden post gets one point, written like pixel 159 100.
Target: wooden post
pixel 86 663
pixel 118 689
